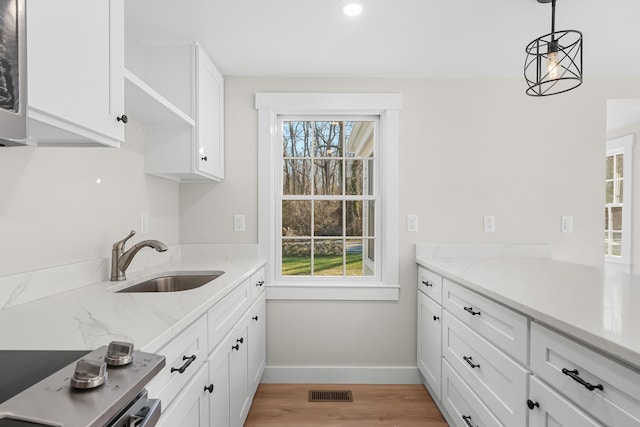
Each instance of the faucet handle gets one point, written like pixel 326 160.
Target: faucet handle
pixel 120 243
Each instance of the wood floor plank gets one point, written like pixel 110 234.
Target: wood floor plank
pixel 287 405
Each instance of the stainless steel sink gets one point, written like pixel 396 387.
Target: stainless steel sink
pixel 173 282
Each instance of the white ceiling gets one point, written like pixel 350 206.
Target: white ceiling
pixel 393 38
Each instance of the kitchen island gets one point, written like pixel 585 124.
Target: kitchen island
pixel 508 336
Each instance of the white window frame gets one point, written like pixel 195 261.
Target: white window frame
pixel 624 145
pixel 386 107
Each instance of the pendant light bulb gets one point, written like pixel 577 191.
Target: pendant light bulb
pixel 553 66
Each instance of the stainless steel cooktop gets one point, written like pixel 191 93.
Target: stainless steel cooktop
pixel 91 392
pixel 20 369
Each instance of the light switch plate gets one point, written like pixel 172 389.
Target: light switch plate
pixel 567 224
pixel 489 224
pixel 238 223
pixel 412 223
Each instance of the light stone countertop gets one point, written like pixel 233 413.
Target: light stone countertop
pixel 592 305
pixel 91 316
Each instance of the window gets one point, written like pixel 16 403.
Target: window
pixel 617 208
pixel 328 195
pixel 327 203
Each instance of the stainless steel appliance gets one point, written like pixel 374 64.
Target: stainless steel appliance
pixel 13 73
pixel 105 387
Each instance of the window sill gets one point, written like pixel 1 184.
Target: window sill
pixel 333 292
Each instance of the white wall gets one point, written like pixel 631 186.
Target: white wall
pixel 52 211
pixel 469 147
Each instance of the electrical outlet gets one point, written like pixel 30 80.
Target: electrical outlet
pixel 489 224
pixel 567 224
pixel 412 223
pixel 238 223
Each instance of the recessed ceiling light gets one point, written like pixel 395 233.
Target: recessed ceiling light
pixel 352 9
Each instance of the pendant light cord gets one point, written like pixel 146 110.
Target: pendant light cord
pixel 553 19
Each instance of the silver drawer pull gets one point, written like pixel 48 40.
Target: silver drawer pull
pixel 574 376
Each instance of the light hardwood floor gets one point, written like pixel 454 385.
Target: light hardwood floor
pixel 286 405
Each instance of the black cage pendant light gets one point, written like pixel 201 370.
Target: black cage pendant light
pixel 554 61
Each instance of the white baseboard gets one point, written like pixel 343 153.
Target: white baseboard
pixel 341 375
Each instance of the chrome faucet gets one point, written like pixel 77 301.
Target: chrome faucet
pixel 120 259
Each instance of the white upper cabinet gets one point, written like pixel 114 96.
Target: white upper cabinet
pixel 177 93
pixel 75 59
pixel 209 117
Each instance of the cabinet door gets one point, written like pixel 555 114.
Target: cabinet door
pixel 191 408
pixel 430 341
pixel 209 118
pixel 76 70
pixel 550 409
pixel 257 343
pixel 220 381
pixel 238 372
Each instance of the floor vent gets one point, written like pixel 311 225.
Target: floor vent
pixel 330 396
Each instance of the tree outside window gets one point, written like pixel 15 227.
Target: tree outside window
pixel 328 198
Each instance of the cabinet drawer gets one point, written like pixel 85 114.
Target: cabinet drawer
pixel 463 405
pixel 553 410
pixel 226 313
pixel 191 344
pixel 257 283
pixel 190 409
pixel 430 341
pixel 430 283
pixel 506 329
pixel 490 373
pixel 617 404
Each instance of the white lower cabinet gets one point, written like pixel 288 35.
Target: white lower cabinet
pixel 490 373
pixel 429 341
pixel 257 342
pixel 231 387
pixel 462 403
pixel 219 385
pixel 184 354
pixel 239 374
pixel 605 389
pixel 501 368
pixel 467 350
pixel 190 408
pixel 220 393
pixel 551 409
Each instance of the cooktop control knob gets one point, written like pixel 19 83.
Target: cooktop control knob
pixel 119 353
pixel 89 374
